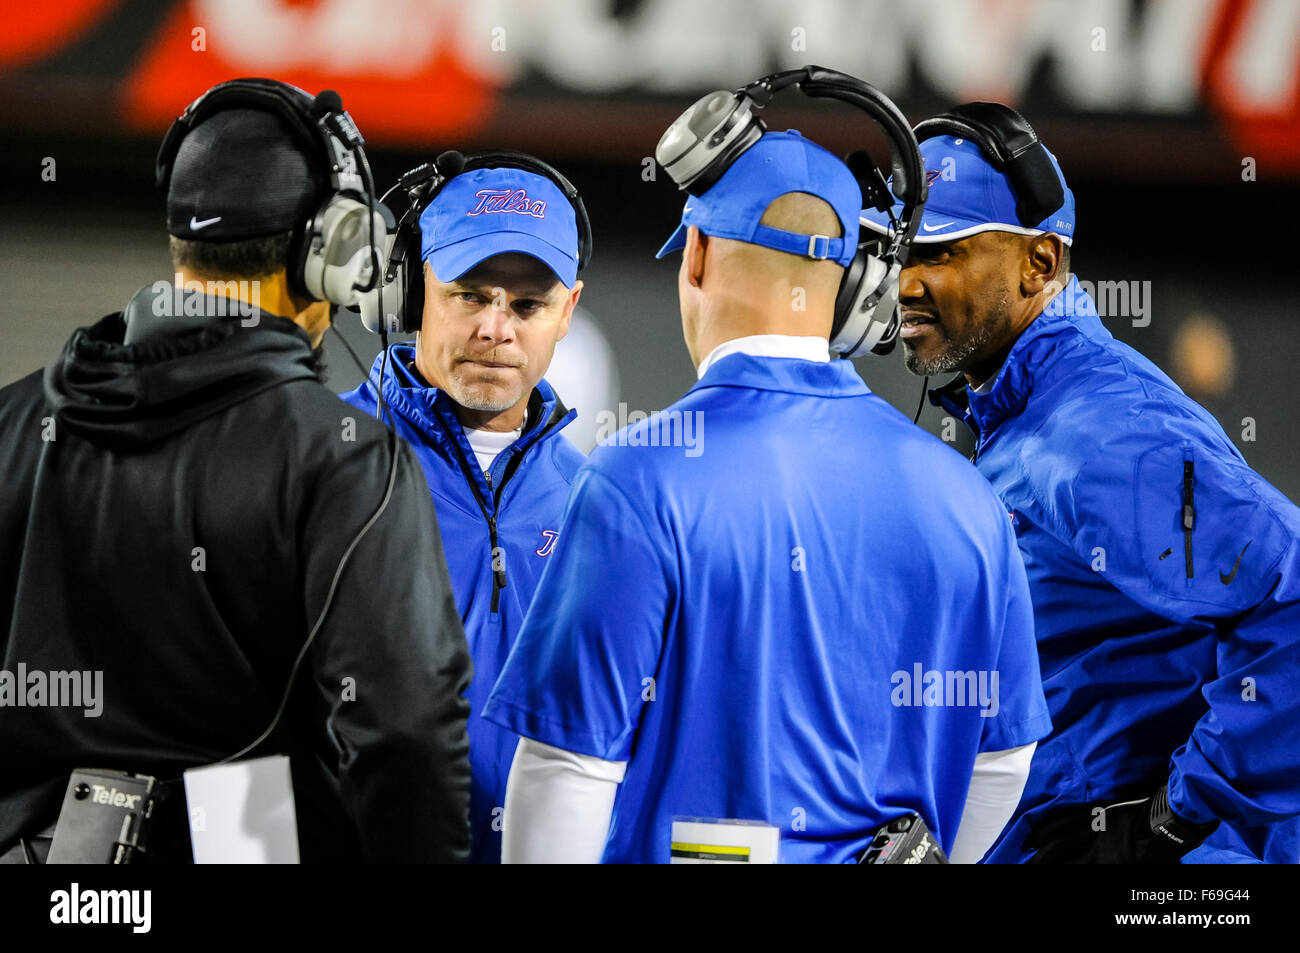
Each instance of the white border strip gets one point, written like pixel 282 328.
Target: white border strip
pixel 922 238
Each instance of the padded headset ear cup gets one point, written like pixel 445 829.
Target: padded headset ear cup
pixel 711 173
pixel 848 293
pixel 299 248
pixel 413 295
pixel 337 254
pixel 864 308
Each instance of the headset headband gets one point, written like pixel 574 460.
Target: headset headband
pixel 1012 147
pixel 910 183
pixel 320 122
pixel 423 183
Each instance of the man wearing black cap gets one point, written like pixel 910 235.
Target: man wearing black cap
pixel 191 517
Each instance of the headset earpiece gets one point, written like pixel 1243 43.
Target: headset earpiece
pixel 706 139
pixel 336 259
pixel 866 307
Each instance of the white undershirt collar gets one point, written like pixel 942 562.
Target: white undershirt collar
pixel 769 345
pixel 487 444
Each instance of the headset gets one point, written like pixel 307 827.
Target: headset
pixel 403 277
pixel 333 255
pixel 1012 147
pixel 705 140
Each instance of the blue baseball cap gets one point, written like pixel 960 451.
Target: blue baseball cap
pixel 968 195
pixel 486 212
pixel 778 163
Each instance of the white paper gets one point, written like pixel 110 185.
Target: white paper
pixel 702 840
pixel 243 813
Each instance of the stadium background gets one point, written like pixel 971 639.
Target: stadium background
pixel 1177 125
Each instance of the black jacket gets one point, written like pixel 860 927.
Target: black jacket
pixel 173 514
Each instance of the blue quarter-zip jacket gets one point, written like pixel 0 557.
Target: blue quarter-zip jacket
pixel 515 511
pixel 1165 576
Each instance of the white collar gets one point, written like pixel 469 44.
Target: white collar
pixel 769 345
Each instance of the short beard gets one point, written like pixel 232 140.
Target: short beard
pixel 958 353
pixel 479 403
pixel 463 396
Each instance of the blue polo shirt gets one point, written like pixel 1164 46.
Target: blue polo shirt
pixel 779 601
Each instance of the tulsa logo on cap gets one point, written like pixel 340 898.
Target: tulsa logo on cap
pixel 487 212
pixel 508 200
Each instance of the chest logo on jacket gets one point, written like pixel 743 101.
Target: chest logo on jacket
pixel 550 536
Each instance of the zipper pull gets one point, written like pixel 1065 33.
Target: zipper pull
pixel 1188 512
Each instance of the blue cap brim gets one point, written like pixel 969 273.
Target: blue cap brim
pixel 942 228
pixel 676 241
pixel 452 261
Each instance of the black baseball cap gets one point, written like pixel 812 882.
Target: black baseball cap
pixel 244 173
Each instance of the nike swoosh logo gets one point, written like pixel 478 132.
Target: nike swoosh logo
pixel 935 228
pixel 1235 566
pixel 195 224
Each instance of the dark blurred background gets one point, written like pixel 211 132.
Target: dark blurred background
pixel 1177 126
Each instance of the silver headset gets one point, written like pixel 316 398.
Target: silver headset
pixel 705 140
pixel 334 256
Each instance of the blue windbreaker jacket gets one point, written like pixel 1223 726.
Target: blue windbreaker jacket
pixel 1165 576
pixel 518 510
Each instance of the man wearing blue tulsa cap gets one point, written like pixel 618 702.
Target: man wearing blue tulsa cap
pixel 500 250
pixel 1165 572
pixel 759 632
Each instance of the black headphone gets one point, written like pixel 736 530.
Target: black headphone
pixel 1012 147
pixel 705 140
pixel 403 279
pixel 333 255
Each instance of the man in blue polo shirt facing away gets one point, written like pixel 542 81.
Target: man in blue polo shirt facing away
pixel 765 595
pixel 500 286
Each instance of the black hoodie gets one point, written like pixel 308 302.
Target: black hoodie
pixel 173 514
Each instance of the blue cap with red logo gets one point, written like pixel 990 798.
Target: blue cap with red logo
pixel 780 162
pixel 486 212
pixel 968 195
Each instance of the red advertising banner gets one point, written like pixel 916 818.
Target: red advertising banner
pixel 1210 81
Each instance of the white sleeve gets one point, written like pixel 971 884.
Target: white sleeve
pixel 558 806
pixel 996 783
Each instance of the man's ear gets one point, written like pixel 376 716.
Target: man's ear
pixel 1042 258
pixel 572 302
pixel 694 255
